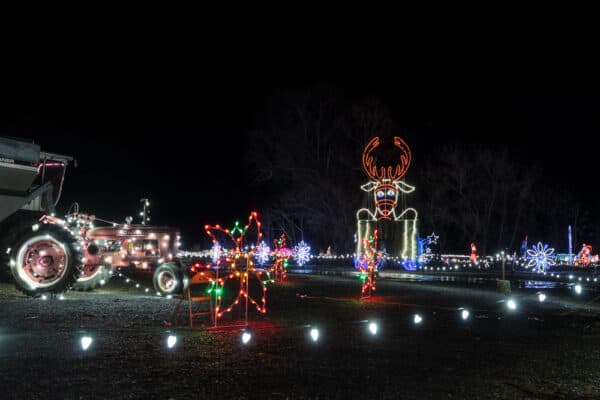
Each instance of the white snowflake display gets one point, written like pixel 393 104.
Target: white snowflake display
pixel 301 253
pixel 263 252
pixel 215 253
pixel 540 257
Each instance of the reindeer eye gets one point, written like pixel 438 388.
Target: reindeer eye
pixel 390 193
pixel 380 194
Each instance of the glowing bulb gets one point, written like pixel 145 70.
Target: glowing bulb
pixel 314 334
pixel 578 289
pixel 373 328
pixel 511 304
pixel 417 319
pixel 541 297
pixel 86 342
pixel 246 336
pixel 465 314
pixel 171 341
pixel 44 297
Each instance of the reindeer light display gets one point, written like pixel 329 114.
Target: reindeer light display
pixel 386 184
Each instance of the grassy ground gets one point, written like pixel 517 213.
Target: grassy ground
pixel 541 351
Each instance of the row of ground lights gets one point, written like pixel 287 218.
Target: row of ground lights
pixel 314 333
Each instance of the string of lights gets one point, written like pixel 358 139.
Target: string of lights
pixel 373 327
pixel 239 261
pixel 282 254
pixel 368 264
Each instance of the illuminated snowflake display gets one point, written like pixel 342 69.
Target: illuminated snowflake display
pixel 301 253
pixel 263 253
pixel 215 253
pixel 540 257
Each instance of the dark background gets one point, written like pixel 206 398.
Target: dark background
pixel 158 101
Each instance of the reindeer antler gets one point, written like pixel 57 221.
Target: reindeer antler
pixel 393 173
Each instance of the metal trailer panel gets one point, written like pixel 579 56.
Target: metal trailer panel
pixel 16 150
pixel 38 200
pixel 16 178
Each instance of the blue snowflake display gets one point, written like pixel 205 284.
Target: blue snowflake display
pixel 409 265
pixel 540 257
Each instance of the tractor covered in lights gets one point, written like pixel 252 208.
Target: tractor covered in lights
pixel 139 246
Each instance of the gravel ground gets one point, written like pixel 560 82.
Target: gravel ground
pixel 541 351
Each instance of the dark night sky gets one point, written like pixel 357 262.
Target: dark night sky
pixel 157 101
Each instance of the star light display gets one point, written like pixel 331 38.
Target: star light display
pixel 301 253
pixel 386 184
pixel 239 260
pixel 540 257
pixel 433 238
pixel 368 264
pixel 282 254
pixel 425 252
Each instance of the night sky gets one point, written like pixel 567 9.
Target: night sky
pixel 157 102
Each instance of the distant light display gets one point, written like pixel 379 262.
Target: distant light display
pixel 262 253
pixel 282 253
pixel 540 257
pixel 301 253
pixel 368 264
pixel 473 255
pixel 215 252
pixel 584 257
pixel 433 238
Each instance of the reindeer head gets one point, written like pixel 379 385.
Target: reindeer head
pixel 386 180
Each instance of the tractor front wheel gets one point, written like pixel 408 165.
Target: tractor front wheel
pixel 169 279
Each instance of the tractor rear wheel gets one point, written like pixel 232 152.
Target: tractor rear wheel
pixel 45 259
pixel 7 242
pixel 169 279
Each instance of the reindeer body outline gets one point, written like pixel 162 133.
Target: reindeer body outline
pixel 386 184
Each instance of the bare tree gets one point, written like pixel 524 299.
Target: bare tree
pixel 305 161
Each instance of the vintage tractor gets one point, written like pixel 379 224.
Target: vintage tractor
pixel 46 254
pixel 116 246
